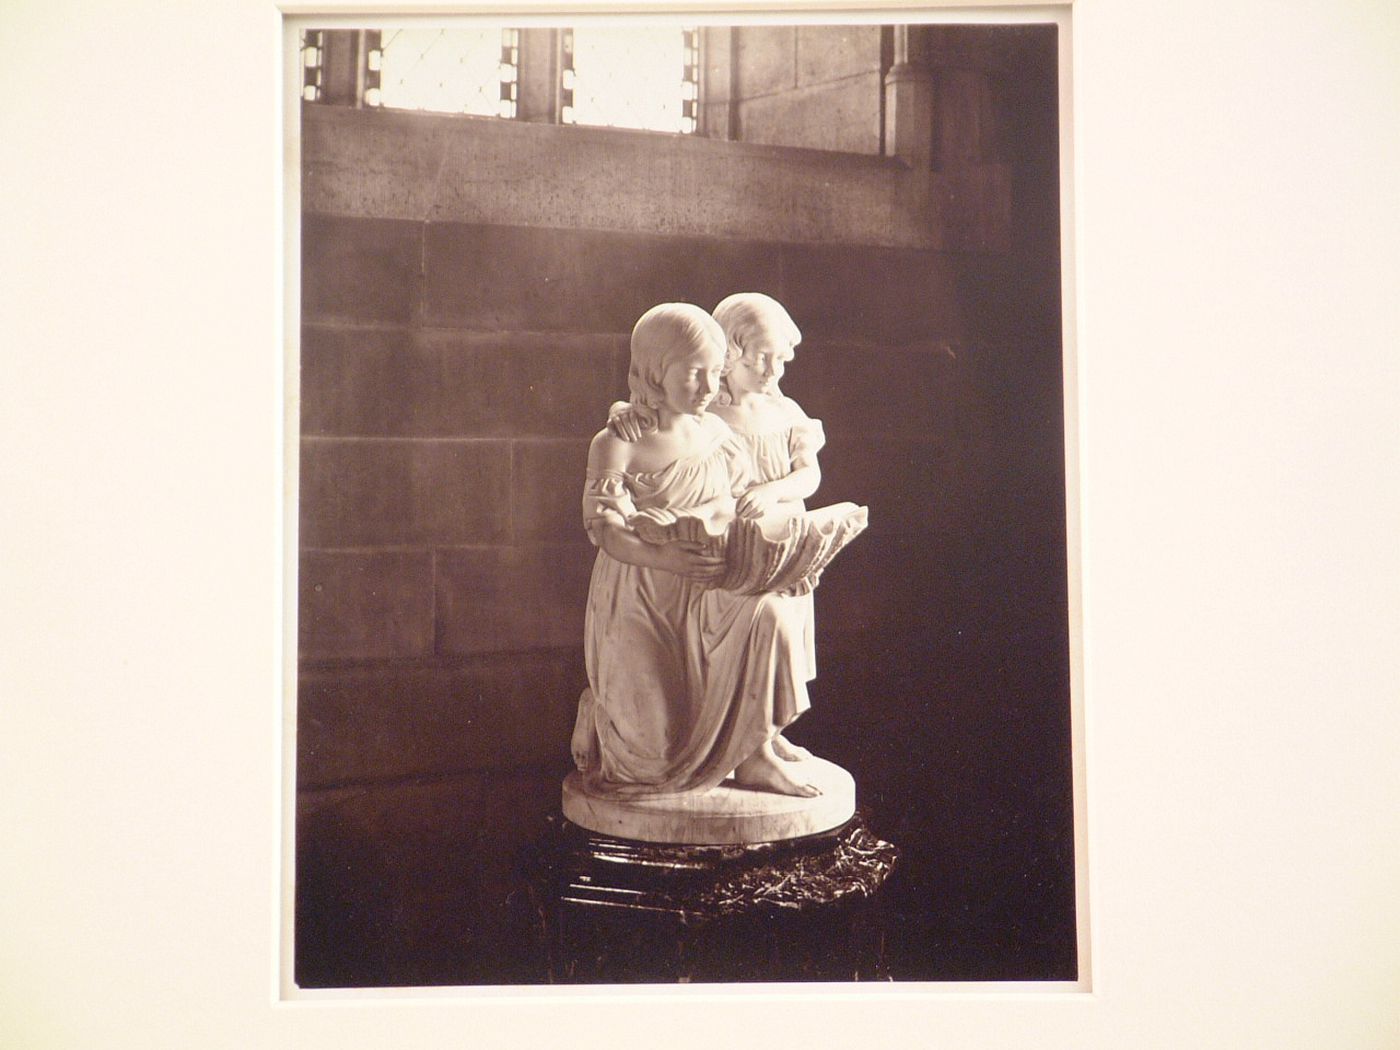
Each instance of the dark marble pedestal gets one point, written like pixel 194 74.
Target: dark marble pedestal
pixel 611 910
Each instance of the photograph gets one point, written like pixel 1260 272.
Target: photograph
pixel 664 524
pixel 616 339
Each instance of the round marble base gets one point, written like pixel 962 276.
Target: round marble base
pixel 724 815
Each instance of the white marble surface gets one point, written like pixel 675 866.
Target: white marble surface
pixel 726 814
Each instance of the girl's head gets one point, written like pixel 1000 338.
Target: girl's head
pixel 677 354
pixel 759 338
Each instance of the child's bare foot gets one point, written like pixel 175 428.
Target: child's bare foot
pixel 789 752
pixel 763 771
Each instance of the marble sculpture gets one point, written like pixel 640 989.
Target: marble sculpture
pixel 699 639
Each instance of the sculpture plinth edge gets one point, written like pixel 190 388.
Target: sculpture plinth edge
pixel 724 815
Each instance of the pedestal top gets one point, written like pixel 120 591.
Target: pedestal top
pixel 724 815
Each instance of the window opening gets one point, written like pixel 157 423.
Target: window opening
pixel 312 58
pixel 646 78
pixel 473 71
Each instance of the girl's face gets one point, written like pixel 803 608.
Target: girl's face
pixel 761 367
pixel 691 380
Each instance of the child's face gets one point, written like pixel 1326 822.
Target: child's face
pixel 761 367
pixel 690 381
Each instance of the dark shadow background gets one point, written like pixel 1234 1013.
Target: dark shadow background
pixel 454 367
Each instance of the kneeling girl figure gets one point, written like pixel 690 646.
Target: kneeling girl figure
pixel 780 440
pixel 688 683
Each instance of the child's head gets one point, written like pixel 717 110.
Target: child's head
pixel 665 334
pixel 760 337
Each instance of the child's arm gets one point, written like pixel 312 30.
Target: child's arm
pixel 764 499
pixel 629 421
pixel 801 481
pixel 607 507
pixel 683 559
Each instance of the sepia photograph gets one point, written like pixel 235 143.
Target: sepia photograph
pixel 676 525
pixel 616 340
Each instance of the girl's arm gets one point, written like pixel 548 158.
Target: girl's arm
pixel 607 506
pixel 683 559
pixel 628 421
pixel 801 481
pixel 798 485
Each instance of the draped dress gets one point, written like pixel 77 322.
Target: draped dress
pixel 685 680
pixel 771 455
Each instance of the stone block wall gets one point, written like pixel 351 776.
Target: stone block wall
pixel 784 76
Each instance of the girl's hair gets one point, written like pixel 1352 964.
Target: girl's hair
pixel 662 334
pixel 745 315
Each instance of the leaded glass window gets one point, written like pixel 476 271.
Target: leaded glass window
pixel 644 77
pixel 473 71
pixel 312 58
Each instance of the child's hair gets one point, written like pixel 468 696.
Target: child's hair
pixel 661 334
pixel 744 315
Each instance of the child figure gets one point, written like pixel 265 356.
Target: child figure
pixel 780 439
pixel 783 441
pixel 688 682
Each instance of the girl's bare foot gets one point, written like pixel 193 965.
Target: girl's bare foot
pixel 763 771
pixel 789 752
